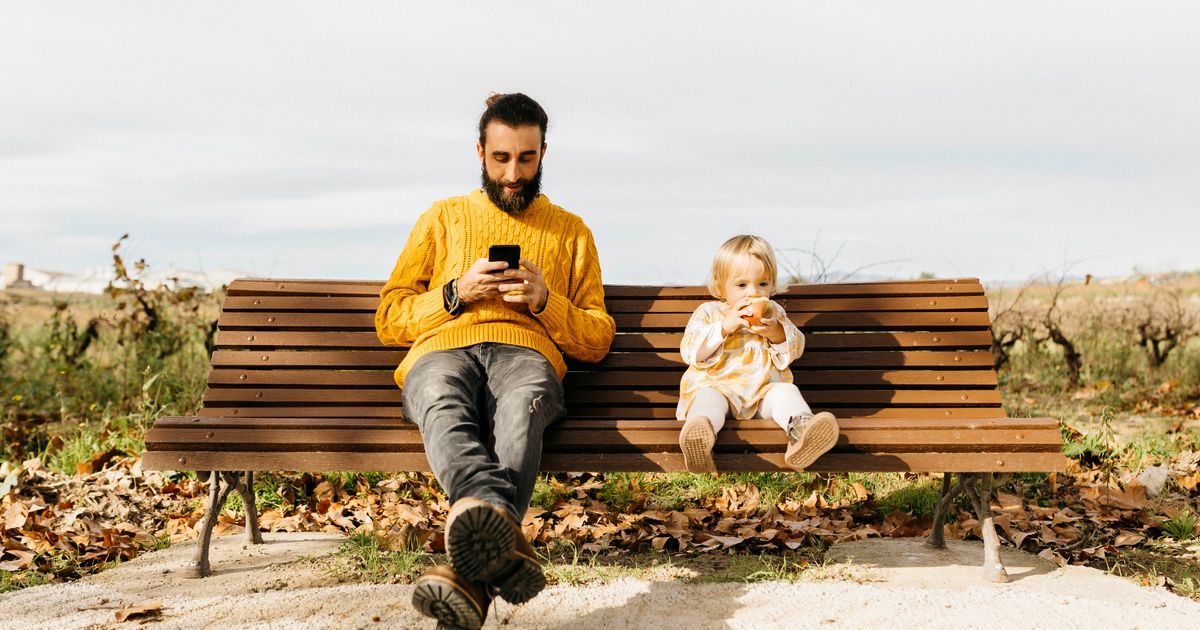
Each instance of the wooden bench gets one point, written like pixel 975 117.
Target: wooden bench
pixel 300 382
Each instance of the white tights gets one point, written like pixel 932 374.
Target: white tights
pixel 782 402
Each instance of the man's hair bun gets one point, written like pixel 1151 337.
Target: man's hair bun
pixel 493 98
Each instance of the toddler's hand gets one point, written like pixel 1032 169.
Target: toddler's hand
pixel 771 329
pixel 733 320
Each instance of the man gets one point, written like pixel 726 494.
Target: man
pixel 483 376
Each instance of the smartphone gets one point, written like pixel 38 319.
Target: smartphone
pixel 510 254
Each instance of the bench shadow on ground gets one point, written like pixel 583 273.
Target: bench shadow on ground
pixel 646 609
pixel 909 561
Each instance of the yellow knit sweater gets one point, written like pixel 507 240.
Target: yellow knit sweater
pixel 447 240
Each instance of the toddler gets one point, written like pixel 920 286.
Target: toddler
pixel 738 351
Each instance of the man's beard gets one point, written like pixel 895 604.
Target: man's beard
pixel 512 203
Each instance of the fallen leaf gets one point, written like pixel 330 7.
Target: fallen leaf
pixel 1009 502
pixel 145 610
pixel 1189 482
pixel 724 542
pixel 1126 538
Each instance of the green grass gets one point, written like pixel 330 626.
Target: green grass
pixel 1181 527
pixel 920 498
pixel 1156 447
pixel 21 579
pixel 86 440
pixel 375 557
pixel 547 491
pixel 267 493
pixel 1151 568
pixel 626 492
pixel 565 563
pixel 673 491
pixel 752 568
pixel 351 480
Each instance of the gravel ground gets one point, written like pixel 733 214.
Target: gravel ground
pixel 896 583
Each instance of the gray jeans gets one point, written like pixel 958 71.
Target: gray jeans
pixel 481 411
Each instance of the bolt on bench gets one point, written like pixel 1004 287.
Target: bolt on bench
pixel 300 382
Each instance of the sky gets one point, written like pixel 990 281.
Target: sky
pixel 300 139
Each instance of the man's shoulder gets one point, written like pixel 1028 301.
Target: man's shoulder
pixel 566 218
pixel 450 203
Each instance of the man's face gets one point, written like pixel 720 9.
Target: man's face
pixel 512 165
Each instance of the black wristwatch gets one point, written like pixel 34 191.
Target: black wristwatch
pixel 450 300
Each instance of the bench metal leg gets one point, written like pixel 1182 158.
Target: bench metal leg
pixel 245 488
pixel 217 494
pixel 993 569
pixel 220 485
pixel 950 490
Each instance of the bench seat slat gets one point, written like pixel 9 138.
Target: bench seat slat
pixel 383 378
pixel 609 462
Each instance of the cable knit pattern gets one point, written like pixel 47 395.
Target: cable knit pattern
pixel 447 240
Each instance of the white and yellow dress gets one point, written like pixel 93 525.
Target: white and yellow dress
pixel 746 366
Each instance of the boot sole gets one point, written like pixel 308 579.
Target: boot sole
pixel 479 541
pixel 439 598
pixel 524 581
pixel 696 440
pixel 819 436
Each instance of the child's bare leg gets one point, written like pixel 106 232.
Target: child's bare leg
pixel 705 417
pixel 809 436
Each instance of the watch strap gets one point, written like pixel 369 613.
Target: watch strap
pixel 450 299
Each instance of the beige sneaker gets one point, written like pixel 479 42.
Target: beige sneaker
pixel 809 437
pixel 696 440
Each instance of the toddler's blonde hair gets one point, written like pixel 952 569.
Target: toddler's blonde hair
pixel 737 250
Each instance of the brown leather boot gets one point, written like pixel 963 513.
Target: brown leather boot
pixel 486 544
pixel 443 594
pixel 523 579
pixel 479 540
pixel 809 437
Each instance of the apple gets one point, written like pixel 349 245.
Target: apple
pixel 758 306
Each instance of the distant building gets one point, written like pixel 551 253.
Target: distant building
pixel 97 279
pixel 14 277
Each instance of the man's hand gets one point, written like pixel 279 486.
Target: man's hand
pixel 477 285
pixel 527 286
pixel 732 320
